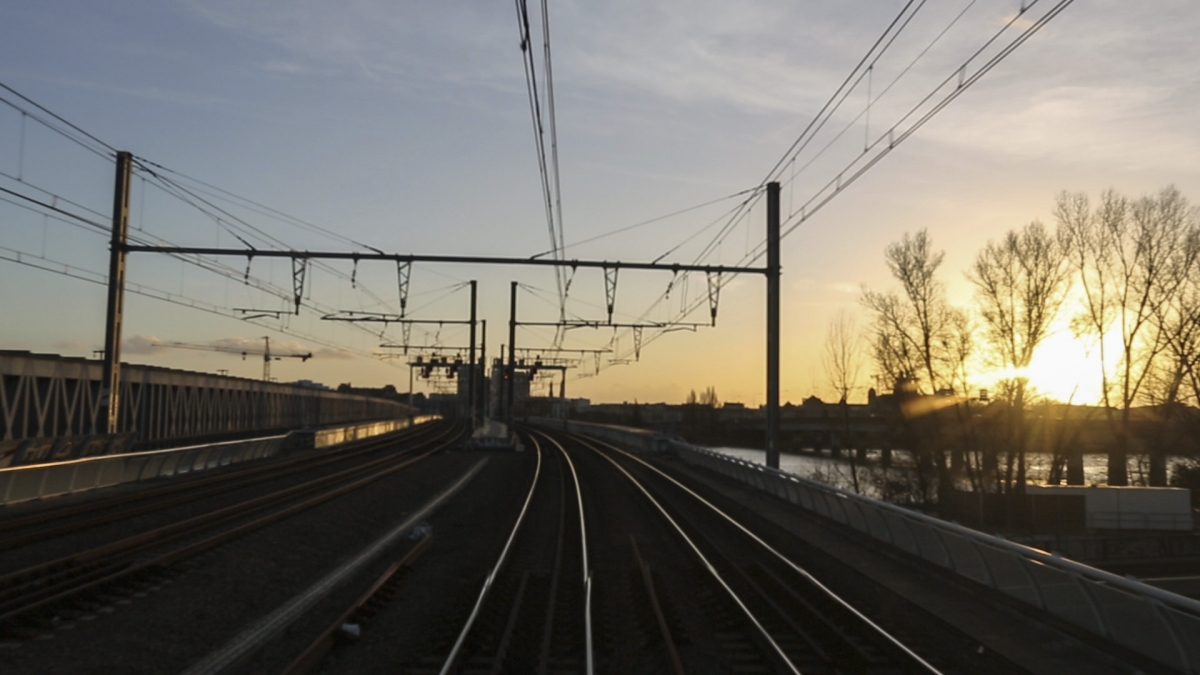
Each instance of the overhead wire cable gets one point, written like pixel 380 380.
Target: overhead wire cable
pixel 54 208
pixel 826 110
pixel 261 209
pixel 876 99
pixel 90 276
pixel 535 108
pixel 759 250
pixel 651 221
pixel 227 220
pixel 896 139
pixel 86 140
pixel 549 70
pixel 77 131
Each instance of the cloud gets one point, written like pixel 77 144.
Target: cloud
pixel 142 344
pixel 180 97
pixel 72 346
pixel 280 347
pixel 371 39
pixel 333 354
pixel 284 67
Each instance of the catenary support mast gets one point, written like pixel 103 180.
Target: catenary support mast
pixel 773 325
pixel 474 377
pixel 110 392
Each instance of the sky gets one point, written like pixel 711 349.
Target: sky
pixel 406 127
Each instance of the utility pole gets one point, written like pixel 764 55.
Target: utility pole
pixel 471 358
pixel 267 358
pixel 512 353
pixel 484 376
pixel 110 385
pixel 773 325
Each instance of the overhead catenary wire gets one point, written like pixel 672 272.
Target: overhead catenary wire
pixel 102 229
pixel 56 207
pixel 257 207
pixel 899 131
pixel 550 113
pixel 885 40
pixel 651 221
pixel 535 109
pixel 98 278
pixel 893 134
pixel 231 223
pixel 75 133
pixel 791 181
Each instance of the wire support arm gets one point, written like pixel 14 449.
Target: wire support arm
pixel 569 324
pixel 445 259
pixel 383 317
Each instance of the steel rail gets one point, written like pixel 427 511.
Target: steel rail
pixel 452 657
pixel 712 570
pixel 587 570
pixel 368 604
pixel 663 629
pixel 110 562
pixel 781 557
pixel 178 529
pixel 138 503
pixel 122 570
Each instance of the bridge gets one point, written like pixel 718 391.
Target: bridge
pixel 51 408
pixel 592 548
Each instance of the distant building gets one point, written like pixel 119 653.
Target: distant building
pixel 387 391
pixel 497 390
pixel 309 384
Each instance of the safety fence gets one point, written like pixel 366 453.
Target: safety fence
pixel 1160 625
pixel 39 481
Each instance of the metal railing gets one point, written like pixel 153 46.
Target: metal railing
pixel 1155 623
pixel 38 481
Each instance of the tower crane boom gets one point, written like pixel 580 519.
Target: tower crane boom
pixel 266 353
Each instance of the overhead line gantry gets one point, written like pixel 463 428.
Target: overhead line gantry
pixel 121 248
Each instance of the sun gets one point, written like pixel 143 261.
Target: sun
pixel 1066 369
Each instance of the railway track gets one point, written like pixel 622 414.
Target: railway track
pixel 78 583
pixel 531 613
pixel 687 588
pixel 761 611
pixel 45 525
pixel 595 560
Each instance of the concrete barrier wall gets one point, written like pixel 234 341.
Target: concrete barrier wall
pixel 1155 623
pixel 325 438
pixel 40 481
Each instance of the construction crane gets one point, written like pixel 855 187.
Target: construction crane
pixel 265 353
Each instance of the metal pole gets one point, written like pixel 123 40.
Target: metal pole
pixel 110 385
pixel 471 357
pixel 485 391
pixel 512 352
pixel 773 325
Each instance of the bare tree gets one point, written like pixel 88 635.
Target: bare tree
pixel 1020 284
pixel 1171 380
pixel 842 358
pixel 1131 258
pixel 915 337
pixel 909 330
pixel 842 361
